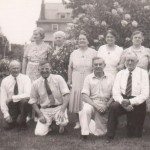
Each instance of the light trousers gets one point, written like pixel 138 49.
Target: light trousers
pixel 97 127
pixel 51 114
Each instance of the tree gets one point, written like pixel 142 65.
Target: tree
pixel 96 16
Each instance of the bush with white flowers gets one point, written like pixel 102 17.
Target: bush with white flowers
pixel 124 16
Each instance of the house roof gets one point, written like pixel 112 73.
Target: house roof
pixel 52 10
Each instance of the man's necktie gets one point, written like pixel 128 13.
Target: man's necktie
pixel 16 87
pixel 129 85
pixel 49 92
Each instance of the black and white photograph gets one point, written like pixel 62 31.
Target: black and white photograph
pixel 74 74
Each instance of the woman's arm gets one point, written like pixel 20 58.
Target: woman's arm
pixel 24 65
pixel 70 69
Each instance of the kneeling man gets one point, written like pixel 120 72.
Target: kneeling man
pixel 130 91
pixel 15 94
pixel 49 98
pixel 96 95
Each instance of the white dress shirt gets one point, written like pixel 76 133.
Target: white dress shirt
pixel 7 91
pixel 140 86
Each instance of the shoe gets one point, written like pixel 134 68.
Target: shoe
pixel 77 126
pixel 61 129
pixel 84 137
pixel 108 140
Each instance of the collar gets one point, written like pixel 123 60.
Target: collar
pixel 132 71
pixel 50 78
pixel 104 76
pixel 15 77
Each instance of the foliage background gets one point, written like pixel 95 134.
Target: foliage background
pixel 96 16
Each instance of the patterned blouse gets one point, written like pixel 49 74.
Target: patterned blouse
pixel 59 59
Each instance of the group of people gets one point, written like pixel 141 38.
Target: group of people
pixel 98 87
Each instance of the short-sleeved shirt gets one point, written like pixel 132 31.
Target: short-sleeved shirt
pixel 39 94
pixel 98 89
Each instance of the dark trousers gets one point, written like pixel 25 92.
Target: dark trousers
pixel 135 119
pixel 18 112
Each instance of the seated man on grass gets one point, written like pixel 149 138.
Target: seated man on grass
pixel 130 92
pixel 51 93
pixel 96 95
pixel 15 94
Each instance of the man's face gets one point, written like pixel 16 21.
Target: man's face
pixel 45 70
pixel 15 69
pixel 98 65
pixel 131 62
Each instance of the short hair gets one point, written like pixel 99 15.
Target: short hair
pixel 44 62
pixel 40 31
pixel 97 58
pixel 137 32
pixel 112 32
pixel 130 53
pixel 63 34
pixel 82 32
pixel 14 61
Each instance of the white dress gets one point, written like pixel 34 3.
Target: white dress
pixel 111 58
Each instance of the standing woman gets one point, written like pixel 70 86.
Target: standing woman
pixel 142 52
pixel 60 55
pixel 35 52
pixel 111 53
pixel 80 66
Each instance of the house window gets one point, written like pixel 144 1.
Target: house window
pixel 62 16
pixel 54 27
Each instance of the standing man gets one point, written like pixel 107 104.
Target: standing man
pixel 96 94
pixel 51 93
pixel 130 91
pixel 15 94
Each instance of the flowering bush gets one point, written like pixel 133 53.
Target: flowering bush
pixel 124 16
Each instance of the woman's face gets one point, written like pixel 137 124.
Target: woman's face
pixel 36 36
pixel 83 42
pixel 110 39
pixel 137 39
pixel 59 40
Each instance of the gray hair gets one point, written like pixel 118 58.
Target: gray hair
pixel 59 33
pixel 14 62
pixel 132 53
pixel 97 58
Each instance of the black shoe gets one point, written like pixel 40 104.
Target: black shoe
pixel 108 139
pixel 84 137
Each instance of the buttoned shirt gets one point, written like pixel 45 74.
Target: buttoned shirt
pixel 140 86
pixel 98 89
pixel 39 94
pixel 7 90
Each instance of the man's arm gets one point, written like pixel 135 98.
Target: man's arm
pixel 116 89
pixel 33 101
pixel 27 90
pixel 144 90
pixel 4 99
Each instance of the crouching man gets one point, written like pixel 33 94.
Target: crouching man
pixel 130 92
pixel 49 98
pixel 15 94
pixel 96 95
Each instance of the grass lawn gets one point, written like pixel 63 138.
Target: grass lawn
pixel 70 140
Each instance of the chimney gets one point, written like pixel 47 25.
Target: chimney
pixel 42 15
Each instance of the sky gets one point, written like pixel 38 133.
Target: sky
pixel 18 18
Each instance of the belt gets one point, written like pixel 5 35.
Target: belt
pixel 127 97
pixel 52 106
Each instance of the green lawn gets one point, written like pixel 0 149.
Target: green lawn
pixel 70 140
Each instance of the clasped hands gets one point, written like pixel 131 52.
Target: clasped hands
pixel 101 109
pixel 60 117
pixel 126 105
